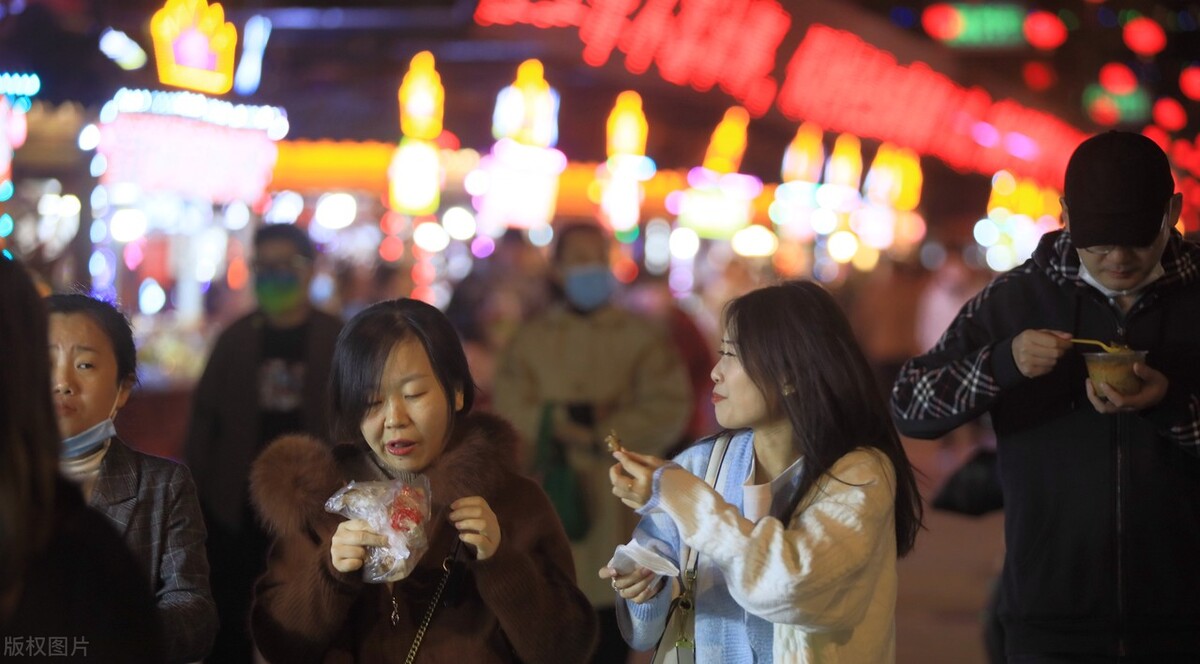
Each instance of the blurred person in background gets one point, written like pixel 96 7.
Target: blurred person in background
pixel 503 290
pixel 266 376
pixel 1101 490
pixel 583 368
pixel 150 501
pixel 652 298
pixel 66 579
pixel 884 315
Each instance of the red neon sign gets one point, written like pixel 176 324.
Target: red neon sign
pixel 844 84
pixel 731 44
pixel 833 78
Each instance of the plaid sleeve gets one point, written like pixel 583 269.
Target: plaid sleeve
pixel 1184 429
pixel 185 603
pixel 955 381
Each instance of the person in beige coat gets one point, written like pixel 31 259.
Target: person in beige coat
pixel 586 367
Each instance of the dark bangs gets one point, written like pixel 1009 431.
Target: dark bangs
pixel 362 351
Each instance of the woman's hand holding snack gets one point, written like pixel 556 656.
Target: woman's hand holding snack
pixel 477 525
pixel 348 549
pixel 632 476
pixel 639 586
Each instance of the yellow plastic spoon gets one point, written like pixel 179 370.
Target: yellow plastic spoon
pixel 1117 348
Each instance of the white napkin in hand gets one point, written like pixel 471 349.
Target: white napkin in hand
pixel 628 557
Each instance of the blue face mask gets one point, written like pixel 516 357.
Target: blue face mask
pixel 588 288
pixel 86 442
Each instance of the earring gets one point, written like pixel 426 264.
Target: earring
pixel 788 390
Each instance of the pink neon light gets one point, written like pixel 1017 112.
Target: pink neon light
pixel 188 157
pixel 192 50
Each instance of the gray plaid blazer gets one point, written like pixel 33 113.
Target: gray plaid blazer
pixel 152 503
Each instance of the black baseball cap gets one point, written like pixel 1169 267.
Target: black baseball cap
pixel 1117 188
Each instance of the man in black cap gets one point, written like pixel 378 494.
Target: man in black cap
pixel 1101 489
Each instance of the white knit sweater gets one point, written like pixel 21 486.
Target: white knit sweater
pixel 827 581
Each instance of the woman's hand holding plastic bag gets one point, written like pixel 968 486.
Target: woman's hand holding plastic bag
pixel 385 534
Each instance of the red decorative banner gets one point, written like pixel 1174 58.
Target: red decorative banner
pixel 732 44
pixel 833 78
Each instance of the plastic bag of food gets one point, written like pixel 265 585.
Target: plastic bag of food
pixel 399 510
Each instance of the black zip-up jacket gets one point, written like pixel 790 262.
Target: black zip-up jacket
pixel 1102 521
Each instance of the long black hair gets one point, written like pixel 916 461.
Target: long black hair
pixel 29 437
pixel 796 345
pixel 362 350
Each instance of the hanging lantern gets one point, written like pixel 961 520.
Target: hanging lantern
pixel 728 142
pixel 1103 111
pixel 942 22
pixel 805 156
pixel 1118 78
pixel 627 126
pixel 1189 82
pixel 1169 114
pixel 1044 31
pixel 422 99
pixel 1144 37
pixel 845 164
pixel 1038 76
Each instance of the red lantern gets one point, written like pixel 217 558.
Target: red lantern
pixel 1156 134
pixel 942 22
pixel 1189 82
pixel 1104 111
pixel 1044 30
pixel 1118 79
pixel 1038 76
pixel 1169 114
pixel 1144 37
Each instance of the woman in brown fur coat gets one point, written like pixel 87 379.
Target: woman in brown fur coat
pixel 402 394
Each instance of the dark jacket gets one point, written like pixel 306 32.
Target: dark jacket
pixel 83 597
pixel 520 605
pixel 223 435
pixel 152 504
pixel 1102 511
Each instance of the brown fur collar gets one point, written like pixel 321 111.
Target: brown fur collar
pixel 293 477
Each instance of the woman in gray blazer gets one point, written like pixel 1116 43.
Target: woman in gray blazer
pixel 151 501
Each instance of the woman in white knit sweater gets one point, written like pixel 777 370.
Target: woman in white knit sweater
pixel 816 499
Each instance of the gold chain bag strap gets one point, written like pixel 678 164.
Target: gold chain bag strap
pixel 448 566
pixel 677 644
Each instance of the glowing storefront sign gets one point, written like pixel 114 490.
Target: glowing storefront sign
pixel 190 145
pixel 194 46
pixel 833 78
